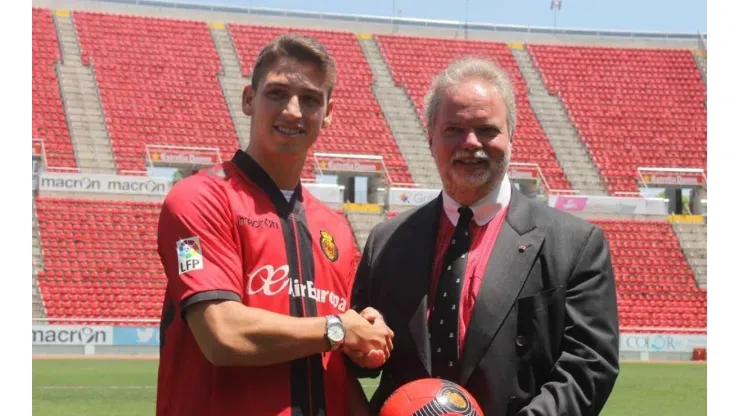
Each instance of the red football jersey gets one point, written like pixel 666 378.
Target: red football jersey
pixel 228 232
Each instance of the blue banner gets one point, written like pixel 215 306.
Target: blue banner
pixel 136 336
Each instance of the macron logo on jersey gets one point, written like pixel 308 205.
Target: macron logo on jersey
pixel 271 281
pixel 189 254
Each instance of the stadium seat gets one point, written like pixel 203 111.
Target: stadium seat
pixel 158 84
pixel 631 107
pixel 100 258
pixel 101 262
pixel 655 284
pixel 414 61
pixel 48 119
pixel 358 125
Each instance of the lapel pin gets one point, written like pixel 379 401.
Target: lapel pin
pixel 523 247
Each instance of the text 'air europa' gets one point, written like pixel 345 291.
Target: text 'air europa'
pixel 272 281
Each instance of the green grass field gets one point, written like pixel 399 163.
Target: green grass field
pixel 127 387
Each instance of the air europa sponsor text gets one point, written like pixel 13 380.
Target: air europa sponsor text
pixel 271 281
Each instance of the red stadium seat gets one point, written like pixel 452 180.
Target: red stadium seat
pixel 158 84
pixel 48 120
pixel 98 262
pixel 632 107
pixel 105 272
pixel 648 293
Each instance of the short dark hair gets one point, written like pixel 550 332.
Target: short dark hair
pixel 299 47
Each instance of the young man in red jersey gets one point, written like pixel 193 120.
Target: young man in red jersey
pixel 256 312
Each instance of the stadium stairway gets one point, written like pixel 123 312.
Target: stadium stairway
pixel 84 111
pixel 37 301
pixel 362 223
pixel 38 264
pixel 569 150
pixel 693 240
pixel 232 81
pixel 700 57
pixel 403 121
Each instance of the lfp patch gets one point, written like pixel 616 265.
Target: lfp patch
pixel 189 254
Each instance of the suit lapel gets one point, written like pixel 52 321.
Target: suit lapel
pixel 422 241
pixel 514 253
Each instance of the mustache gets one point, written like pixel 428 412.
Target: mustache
pixel 467 154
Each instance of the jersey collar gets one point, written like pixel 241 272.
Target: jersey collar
pixel 261 178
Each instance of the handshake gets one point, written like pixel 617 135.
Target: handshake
pixel 368 341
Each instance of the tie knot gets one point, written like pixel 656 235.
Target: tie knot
pixel 465 215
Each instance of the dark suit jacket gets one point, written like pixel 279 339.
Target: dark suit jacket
pixel 543 338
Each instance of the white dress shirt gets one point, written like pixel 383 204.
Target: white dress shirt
pixel 486 208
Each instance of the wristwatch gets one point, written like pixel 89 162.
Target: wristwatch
pixel 334 332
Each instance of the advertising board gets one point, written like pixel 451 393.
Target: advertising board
pixel 103 184
pixel 72 335
pixel 126 335
pixel 411 196
pixel 629 342
pixel 609 205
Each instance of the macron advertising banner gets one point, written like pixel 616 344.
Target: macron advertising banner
pixel 72 335
pixel 104 184
pixel 609 205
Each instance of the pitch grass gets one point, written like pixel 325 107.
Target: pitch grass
pixel 127 387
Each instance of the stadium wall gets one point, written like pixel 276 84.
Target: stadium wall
pixel 146 188
pixel 114 340
pixel 384 25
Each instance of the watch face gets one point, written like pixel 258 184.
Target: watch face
pixel 335 333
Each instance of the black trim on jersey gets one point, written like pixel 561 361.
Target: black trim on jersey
pixel 306 374
pixel 207 295
pixel 305 252
pixel 300 388
pixel 168 316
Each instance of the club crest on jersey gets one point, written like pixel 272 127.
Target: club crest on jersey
pixel 189 254
pixel 328 247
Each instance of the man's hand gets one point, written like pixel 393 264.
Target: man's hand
pixel 373 343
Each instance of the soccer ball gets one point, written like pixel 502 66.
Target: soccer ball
pixel 430 396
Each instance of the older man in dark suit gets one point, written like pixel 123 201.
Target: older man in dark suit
pixel 484 287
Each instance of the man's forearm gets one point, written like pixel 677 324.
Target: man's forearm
pixel 237 335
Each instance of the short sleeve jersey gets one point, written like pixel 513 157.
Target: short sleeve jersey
pixel 229 233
